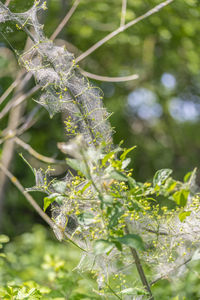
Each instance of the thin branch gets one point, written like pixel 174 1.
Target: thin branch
pixel 65 20
pixel 7 133
pixel 123 13
pixel 34 204
pixel 172 270
pixel 122 28
pixel 29 122
pixel 140 269
pixel 53 36
pixel 37 155
pixel 9 90
pixel 109 79
pixel 7 2
pixel 18 100
pixel 29 198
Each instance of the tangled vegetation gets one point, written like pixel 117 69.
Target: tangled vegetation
pixel 99 207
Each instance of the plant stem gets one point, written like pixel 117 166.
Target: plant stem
pixel 140 269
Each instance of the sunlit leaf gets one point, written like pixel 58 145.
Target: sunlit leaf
pixel 161 176
pixel 102 246
pixel 181 197
pixel 4 238
pixel 132 240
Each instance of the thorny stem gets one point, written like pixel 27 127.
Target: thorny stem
pixel 121 29
pixel 140 269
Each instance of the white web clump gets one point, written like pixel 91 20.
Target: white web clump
pixel 171 243
pixel 64 88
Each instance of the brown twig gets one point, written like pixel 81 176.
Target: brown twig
pixel 7 2
pixel 18 100
pixel 123 13
pixel 167 274
pixel 109 79
pixel 9 90
pixel 37 155
pixel 29 198
pixel 65 20
pixel 34 204
pixel 122 28
pixel 140 269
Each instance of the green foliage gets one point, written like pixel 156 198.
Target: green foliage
pixel 36 267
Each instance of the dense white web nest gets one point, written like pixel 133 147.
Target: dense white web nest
pixel 64 88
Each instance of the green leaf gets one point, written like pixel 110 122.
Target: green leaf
pixel 118 245
pixel 86 186
pixel 78 166
pixel 102 246
pixel 21 155
pixel 4 238
pixel 128 291
pixel 132 183
pixel 126 151
pixel 183 215
pixel 114 218
pixel 132 240
pixel 50 199
pixel 107 199
pixel 47 202
pixel 85 218
pixel 181 197
pixel 106 157
pixel 59 186
pixel 187 176
pixel 118 176
pixel 190 178
pixel 161 176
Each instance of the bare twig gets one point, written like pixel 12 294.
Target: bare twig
pixel 9 90
pixel 122 28
pixel 30 199
pixel 65 20
pixel 37 155
pixel 34 204
pixel 140 269
pixel 53 36
pixel 123 13
pixel 29 122
pixel 172 270
pixel 18 100
pixel 109 79
pixel 9 134
pixel 7 2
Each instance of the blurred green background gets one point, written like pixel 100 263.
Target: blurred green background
pixel 159 112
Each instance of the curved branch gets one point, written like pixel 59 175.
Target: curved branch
pixel 109 79
pixel 123 13
pixel 18 100
pixel 122 28
pixel 37 155
pixel 65 20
